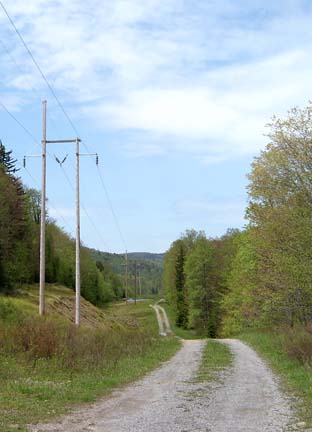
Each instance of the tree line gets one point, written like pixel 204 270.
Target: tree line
pixel 20 216
pixel 260 276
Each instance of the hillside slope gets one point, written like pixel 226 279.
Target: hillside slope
pixel 149 269
pixel 47 365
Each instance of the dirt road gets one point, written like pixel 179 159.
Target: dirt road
pixel 162 318
pixel 247 398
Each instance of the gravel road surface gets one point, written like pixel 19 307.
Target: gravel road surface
pixel 246 398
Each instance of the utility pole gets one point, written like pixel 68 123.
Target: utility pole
pixel 43 210
pixel 126 281
pixel 135 282
pixel 77 311
pixel 140 287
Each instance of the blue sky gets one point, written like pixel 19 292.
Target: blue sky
pixel 174 96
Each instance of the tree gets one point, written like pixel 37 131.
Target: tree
pixel 280 214
pixel 34 201
pixel 7 162
pixel 202 288
pixel 181 293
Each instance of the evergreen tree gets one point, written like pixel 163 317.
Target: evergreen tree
pixel 181 296
pixel 7 162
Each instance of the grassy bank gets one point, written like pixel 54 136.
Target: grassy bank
pixel 296 374
pixel 47 365
pixel 216 358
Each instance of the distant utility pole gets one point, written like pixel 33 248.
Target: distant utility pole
pixel 135 281
pixel 140 287
pixel 43 214
pixel 126 281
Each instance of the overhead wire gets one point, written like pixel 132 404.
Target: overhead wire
pixel 70 228
pixel 61 106
pixel 51 156
pixel 84 209
pixel 30 85
pixel 38 68
pixel 111 208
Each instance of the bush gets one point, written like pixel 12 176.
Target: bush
pixel 73 348
pixel 298 344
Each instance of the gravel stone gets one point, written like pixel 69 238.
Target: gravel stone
pixel 243 399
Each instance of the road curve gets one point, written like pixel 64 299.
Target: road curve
pixel 247 398
pixel 163 321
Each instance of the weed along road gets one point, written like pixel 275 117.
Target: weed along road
pixel 244 397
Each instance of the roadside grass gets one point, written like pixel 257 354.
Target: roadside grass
pixel 182 333
pixel 47 366
pixel 216 358
pixel 296 377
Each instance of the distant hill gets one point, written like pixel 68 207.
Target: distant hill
pixel 147 256
pixel 150 269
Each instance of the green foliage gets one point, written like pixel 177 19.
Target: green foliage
pixel 271 278
pixel 180 286
pixel 150 269
pixel 203 297
pixel 48 362
pixel 20 215
pixel 206 265
pixel 237 305
pixel 7 162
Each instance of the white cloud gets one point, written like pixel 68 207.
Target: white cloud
pixel 195 78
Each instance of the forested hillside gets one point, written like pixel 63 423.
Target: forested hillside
pixel 260 277
pixel 19 244
pixel 149 269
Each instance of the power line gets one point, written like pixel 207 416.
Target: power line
pixel 112 208
pixel 51 156
pixel 65 113
pixel 19 123
pixel 39 68
pixel 31 86
pixel 51 205
pixel 84 209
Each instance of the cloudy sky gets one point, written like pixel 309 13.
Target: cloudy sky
pixel 174 96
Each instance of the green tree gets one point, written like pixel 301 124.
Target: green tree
pixel 202 288
pixel 7 162
pixel 181 292
pixel 280 214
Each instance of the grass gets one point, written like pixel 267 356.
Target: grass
pixel 117 346
pixel 216 358
pixel 296 377
pixel 182 333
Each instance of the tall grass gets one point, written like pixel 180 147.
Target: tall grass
pixel 297 344
pixel 72 347
pixel 47 364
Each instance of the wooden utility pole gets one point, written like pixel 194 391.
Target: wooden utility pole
pixel 140 287
pixel 77 311
pixel 126 281
pixel 43 215
pixel 135 282
pixel 43 210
